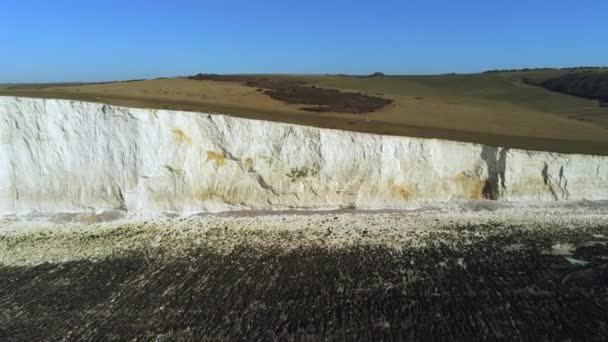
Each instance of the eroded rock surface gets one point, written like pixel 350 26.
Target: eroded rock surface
pixel 68 156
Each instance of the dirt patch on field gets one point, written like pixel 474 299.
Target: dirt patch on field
pixel 314 98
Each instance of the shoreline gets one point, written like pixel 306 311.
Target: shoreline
pixel 499 274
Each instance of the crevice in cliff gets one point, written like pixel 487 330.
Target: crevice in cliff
pixel 562 183
pixel 496 163
pixel 547 181
pixel 121 198
pixel 263 183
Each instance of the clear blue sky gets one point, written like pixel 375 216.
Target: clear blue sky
pixel 88 40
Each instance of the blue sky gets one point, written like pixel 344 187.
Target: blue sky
pixel 92 40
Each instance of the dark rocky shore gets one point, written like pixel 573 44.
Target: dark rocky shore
pixel 469 282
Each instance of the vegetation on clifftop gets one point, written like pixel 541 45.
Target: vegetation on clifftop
pixel 591 84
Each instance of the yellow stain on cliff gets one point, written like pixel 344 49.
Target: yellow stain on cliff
pixel 472 187
pixel 247 164
pixel 403 191
pixel 204 195
pixel 180 137
pixel 212 194
pixel 217 158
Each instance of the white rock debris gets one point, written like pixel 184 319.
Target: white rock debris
pixel 71 156
pixel 27 241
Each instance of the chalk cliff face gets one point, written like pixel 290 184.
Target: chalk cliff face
pixel 69 156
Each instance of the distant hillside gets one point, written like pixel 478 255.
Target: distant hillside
pixel 542 69
pixel 590 84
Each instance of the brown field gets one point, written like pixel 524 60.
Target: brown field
pixel 494 109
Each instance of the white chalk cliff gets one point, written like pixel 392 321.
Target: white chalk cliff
pixel 70 156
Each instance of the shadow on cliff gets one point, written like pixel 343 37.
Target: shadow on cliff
pixel 496 162
pixel 562 183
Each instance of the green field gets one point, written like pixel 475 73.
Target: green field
pixel 480 90
pixel 496 108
